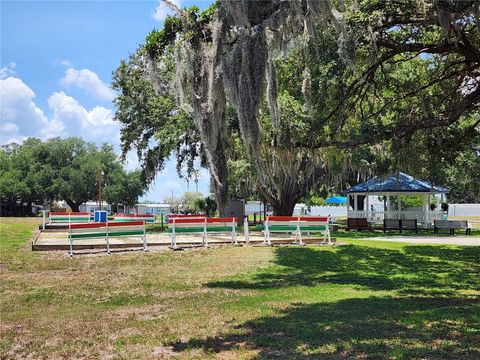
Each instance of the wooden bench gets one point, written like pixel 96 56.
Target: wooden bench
pixel 66 218
pixel 410 224
pixel 106 230
pixel 149 219
pixel 296 225
pixel 452 225
pixel 202 225
pixel 358 224
pixel 400 224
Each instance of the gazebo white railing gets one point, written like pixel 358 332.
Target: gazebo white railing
pixel 378 216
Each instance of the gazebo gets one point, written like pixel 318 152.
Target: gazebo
pixel 359 205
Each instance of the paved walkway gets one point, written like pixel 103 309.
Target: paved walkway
pixel 441 240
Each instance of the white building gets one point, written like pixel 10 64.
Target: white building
pixel 89 206
pixel 153 209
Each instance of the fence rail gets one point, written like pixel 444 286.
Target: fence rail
pixel 464 210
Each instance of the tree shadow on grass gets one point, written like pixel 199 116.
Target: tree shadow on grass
pixel 372 327
pixel 429 268
pixel 432 312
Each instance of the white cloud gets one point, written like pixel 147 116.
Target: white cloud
pixel 94 125
pixel 162 11
pixel 88 81
pixel 66 63
pixel 131 160
pixel 7 71
pixel 19 113
pixel 20 117
pixel 9 128
pixel 9 133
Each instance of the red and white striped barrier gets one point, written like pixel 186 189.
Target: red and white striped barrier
pixel 296 225
pixel 149 219
pixel 106 230
pixel 202 225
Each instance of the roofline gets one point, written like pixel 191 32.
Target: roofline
pixel 443 191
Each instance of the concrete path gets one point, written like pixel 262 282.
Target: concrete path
pixel 441 240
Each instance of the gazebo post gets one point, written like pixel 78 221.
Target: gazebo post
pixel 388 207
pixel 399 206
pixel 425 211
pixel 355 205
pixel 368 207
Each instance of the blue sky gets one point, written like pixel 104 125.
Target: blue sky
pixel 56 64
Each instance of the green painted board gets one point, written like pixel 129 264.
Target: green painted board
pixel 62 219
pixel 134 219
pixel 103 234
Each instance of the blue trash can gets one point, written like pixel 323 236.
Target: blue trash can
pixel 100 216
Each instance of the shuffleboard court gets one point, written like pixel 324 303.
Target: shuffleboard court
pixel 58 240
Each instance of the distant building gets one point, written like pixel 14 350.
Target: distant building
pixel 92 206
pixel 256 207
pixel 89 206
pixel 153 209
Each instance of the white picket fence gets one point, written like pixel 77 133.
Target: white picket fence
pixel 463 210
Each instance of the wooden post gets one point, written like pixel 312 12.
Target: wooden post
pixel 245 230
pixel 144 236
pixel 43 216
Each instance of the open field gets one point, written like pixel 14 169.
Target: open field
pixel 370 299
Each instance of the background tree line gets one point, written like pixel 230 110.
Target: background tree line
pixel 38 172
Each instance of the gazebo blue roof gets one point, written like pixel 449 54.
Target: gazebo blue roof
pixel 404 183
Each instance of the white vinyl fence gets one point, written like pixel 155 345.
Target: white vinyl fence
pixel 334 211
pixel 463 209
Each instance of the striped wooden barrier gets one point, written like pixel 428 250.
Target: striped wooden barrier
pixel 106 230
pixel 296 225
pixel 202 226
pixel 68 217
pixel 149 219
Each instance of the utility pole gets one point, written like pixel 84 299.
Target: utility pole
pixel 100 173
pixel 196 173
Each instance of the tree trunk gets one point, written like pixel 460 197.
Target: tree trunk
pixel 222 197
pixel 284 207
pixel 75 206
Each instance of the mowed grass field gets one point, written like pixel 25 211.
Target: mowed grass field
pixel 368 299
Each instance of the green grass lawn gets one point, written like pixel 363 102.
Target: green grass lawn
pixel 369 299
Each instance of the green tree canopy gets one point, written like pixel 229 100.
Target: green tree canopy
pixel 324 92
pixel 64 169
